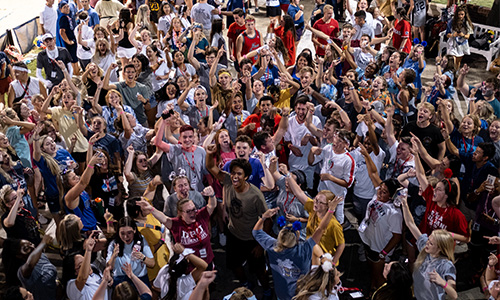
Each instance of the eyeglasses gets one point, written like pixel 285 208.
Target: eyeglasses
pixel 317 201
pixel 190 211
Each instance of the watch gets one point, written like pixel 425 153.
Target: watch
pixel 382 256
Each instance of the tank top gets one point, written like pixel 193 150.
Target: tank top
pixel 125 43
pixel 250 44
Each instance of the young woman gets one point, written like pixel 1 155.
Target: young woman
pixel 406 97
pixel 92 78
pixel 181 67
pixel 464 137
pixel 137 172
pixel 398 282
pixel 401 38
pixel 458 31
pixel 303 59
pixel 165 17
pixel 174 280
pixel 286 32
pixel 143 18
pixel 287 248
pixel 114 102
pixel 191 226
pixel 175 37
pixel 17 221
pixel 160 69
pixel 77 201
pixel 434 272
pixel 217 38
pixel 15 130
pixel 123 26
pixel 321 282
pixel 129 247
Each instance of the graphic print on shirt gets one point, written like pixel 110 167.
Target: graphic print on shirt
pixel 193 236
pixel 288 269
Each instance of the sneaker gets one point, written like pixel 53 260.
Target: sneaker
pixel 346 225
pixel 222 239
pixel 256 10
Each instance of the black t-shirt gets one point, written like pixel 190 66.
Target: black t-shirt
pixel 66 23
pixel 24 227
pixel 351 112
pixel 430 136
pixel 52 71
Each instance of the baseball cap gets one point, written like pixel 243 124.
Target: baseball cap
pixel 47 36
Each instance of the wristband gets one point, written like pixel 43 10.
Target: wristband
pixel 122 112
pixel 351 88
pixel 220 11
pixel 452 235
pixel 444 287
pixel 383 252
pixel 109 222
pixel 90 143
pixel 144 258
pixel 90 166
pixel 245 56
pixel 331 211
pixel 211 196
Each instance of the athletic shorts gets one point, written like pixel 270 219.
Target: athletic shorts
pixel 273 11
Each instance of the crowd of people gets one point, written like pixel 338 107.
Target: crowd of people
pixel 149 136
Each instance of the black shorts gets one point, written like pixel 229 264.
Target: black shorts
pixel 238 252
pixel 273 11
pixel 371 255
pixel 79 156
pixel 53 202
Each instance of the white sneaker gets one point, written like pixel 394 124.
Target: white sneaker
pixel 42 220
pixel 222 239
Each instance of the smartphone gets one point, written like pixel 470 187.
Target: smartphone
pixel 167 115
pixel 491 179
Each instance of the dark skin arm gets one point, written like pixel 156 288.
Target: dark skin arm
pixel 34 257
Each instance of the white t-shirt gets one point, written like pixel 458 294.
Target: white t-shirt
pixel 185 284
pixel 88 37
pixel 362 58
pixel 202 13
pixel 48 19
pixel 190 71
pixel 162 70
pixel 363 186
pixel 294 134
pixel 341 166
pixel 88 291
pixel 382 220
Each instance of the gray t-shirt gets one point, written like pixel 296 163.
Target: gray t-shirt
pixel 42 282
pixel 203 73
pixel 129 95
pixel 424 289
pixel 191 162
pixel 196 197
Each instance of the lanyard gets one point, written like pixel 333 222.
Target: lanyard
pixel 465 144
pixel 401 167
pixel 26 90
pixel 286 205
pixel 189 164
pixel 206 112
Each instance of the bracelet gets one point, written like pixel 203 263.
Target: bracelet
pixel 331 211
pixel 444 287
pixel 351 88
pixel 383 252
pixel 452 235
pixel 36 140
pixel 109 222
pixel 90 143
pixel 211 196
pixel 245 56
pixel 122 112
pixel 144 258
pixel 90 166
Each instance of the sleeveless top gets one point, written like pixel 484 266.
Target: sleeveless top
pixel 250 44
pixel 124 42
pixel 31 88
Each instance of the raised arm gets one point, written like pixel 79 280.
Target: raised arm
pixel 141 287
pixel 419 169
pixel 389 127
pixel 370 165
pixel 210 163
pixel 160 216
pixel 323 225
pixel 25 126
pixel 296 190
pixel 192 60
pixel 34 257
pixel 85 268
pixel 106 84
pixel 72 198
pixel 165 147
pixel 106 281
pixel 213 69
pixel 11 217
pixel 409 221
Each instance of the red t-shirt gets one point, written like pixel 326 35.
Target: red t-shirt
pixel 196 235
pixel 289 42
pixel 250 44
pixel 255 118
pixel 232 34
pixel 402 29
pixel 449 218
pixel 331 28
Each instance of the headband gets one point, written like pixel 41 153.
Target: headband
pixel 21 69
pixel 225 72
pixel 449 185
pixel 327 265
pixel 416 41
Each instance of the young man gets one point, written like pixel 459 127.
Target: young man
pixel 252 124
pixel 249 40
pixel 203 13
pixel 243 203
pixel 327 25
pixel 266 141
pixel 260 174
pixel 297 138
pixel 361 26
pixel 93 16
pixel 234 31
pixel 25 86
pixel 134 94
pixel 415 61
pixel 428 133
pixel 46 61
pixel 486 90
pixel 203 69
pixel 48 19
pixel 337 168
pixel 185 155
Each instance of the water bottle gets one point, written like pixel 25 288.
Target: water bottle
pixel 100 206
pixel 68 161
pixel 136 248
pixel 400 194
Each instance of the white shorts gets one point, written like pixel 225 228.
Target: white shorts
pixel 125 52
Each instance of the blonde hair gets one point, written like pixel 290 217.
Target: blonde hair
pixel 475 120
pixel 287 238
pixel 444 241
pixel 68 231
pixel 5 191
pixel 142 16
pixel 316 280
pixel 2 171
pixel 426 105
pixel 241 293
pixel 54 169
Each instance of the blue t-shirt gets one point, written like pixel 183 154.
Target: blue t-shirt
pixel 391 86
pixel 108 143
pixel 465 146
pixel 287 265
pixel 270 75
pixel 292 11
pixel 20 144
pixel 94 17
pixel 202 44
pixel 411 64
pixel 85 212
pixel 5 58
pixel 49 179
pixel 257 171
